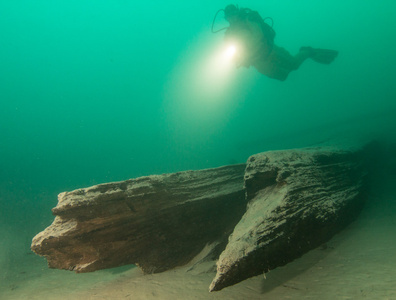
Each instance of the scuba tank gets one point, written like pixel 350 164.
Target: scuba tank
pixel 253 16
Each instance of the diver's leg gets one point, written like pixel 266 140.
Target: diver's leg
pixel 322 56
pixel 272 69
pixel 284 60
pixel 277 65
pixel 301 56
pixel 279 73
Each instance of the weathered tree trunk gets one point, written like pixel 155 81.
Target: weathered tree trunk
pixel 298 199
pixel 156 222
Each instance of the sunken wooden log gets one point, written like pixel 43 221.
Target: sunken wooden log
pixel 156 222
pixel 298 199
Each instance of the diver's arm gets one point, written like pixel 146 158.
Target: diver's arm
pixel 248 38
pixel 243 56
pixel 253 38
pixel 237 36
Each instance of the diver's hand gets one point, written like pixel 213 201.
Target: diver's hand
pixel 241 61
pixel 242 58
pixel 238 60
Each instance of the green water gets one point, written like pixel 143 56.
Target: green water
pixel 99 91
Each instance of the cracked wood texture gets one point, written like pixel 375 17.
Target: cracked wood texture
pixel 156 222
pixel 297 200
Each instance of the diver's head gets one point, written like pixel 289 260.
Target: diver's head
pixel 231 12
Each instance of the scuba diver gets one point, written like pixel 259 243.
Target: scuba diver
pixel 257 47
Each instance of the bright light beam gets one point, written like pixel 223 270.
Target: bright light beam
pixel 218 70
pixel 230 52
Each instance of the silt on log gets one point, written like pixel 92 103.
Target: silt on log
pixel 157 222
pixel 297 200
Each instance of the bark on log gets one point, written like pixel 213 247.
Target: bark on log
pixel 298 199
pixel 156 222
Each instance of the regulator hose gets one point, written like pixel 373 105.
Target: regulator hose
pixel 214 19
pixel 272 21
pixel 224 28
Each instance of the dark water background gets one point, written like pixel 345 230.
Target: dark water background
pixel 99 91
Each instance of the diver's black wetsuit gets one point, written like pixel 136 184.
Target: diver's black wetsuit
pixel 259 49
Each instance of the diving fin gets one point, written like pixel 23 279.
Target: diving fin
pixel 322 56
